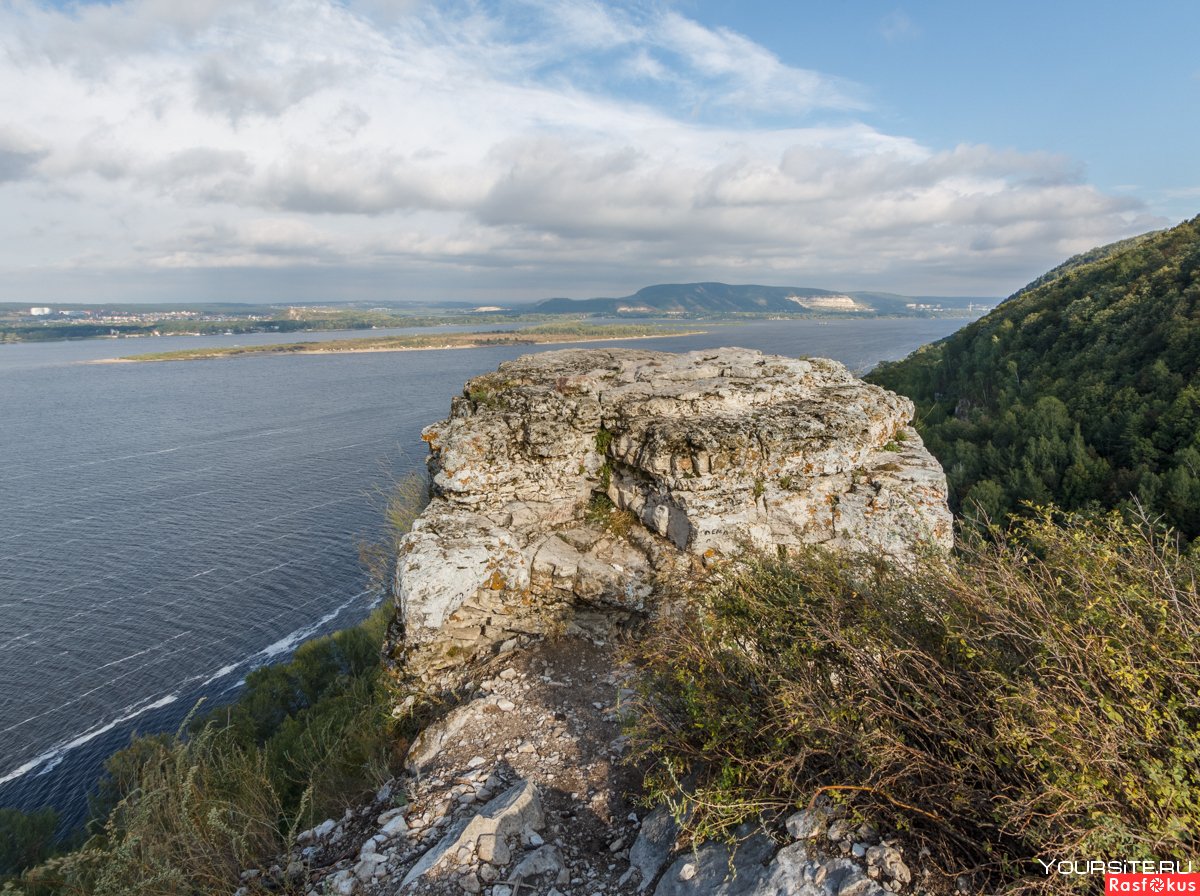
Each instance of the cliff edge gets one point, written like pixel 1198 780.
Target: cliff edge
pixel 566 485
pixel 567 482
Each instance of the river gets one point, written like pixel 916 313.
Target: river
pixel 165 528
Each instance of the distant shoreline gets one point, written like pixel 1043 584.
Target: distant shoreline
pixel 369 345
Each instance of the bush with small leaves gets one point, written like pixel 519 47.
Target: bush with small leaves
pixel 1037 695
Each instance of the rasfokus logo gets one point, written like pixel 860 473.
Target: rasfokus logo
pixel 1150 877
pixel 1152 884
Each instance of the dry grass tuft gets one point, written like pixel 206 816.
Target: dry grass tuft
pixel 1037 697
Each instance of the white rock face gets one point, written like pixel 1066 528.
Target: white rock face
pixel 704 453
pixel 504 823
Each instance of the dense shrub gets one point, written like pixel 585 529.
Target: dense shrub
pixel 25 838
pixel 1036 697
pixel 204 809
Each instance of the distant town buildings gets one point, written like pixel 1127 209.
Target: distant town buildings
pixel 39 311
pixel 923 306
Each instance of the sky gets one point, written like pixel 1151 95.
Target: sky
pixel 392 150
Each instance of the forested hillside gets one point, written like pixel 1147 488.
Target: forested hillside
pixel 1099 253
pixel 1082 391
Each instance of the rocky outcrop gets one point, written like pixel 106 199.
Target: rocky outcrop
pixel 566 482
pixel 524 790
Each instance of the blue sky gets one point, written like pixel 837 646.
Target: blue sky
pixel 1116 86
pixel 274 150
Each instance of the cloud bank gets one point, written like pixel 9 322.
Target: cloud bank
pixel 273 149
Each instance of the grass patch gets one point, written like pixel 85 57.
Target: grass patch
pixel 604 474
pixel 604 438
pixel 1036 697
pixel 483 397
pixel 602 512
pixel 203 810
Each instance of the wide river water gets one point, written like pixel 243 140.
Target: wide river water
pixel 165 528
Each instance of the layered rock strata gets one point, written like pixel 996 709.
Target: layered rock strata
pixel 566 481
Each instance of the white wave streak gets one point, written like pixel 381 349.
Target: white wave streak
pixel 54 754
pixel 287 643
pixel 47 760
pixel 92 610
pixel 94 463
pixel 83 695
pixel 131 656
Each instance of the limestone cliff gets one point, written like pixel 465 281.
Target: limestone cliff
pixel 566 482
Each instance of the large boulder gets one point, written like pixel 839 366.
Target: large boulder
pixel 566 481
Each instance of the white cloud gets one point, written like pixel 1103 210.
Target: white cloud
pixel 896 27
pixel 535 147
pixel 752 77
pixel 19 154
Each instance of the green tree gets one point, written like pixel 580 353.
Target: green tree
pixel 26 838
pixel 1083 388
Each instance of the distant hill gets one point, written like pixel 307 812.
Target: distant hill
pixel 721 298
pixel 1082 389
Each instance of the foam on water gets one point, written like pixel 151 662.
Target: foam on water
pixel 56 753
pixel 285 645
pixel 50 759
